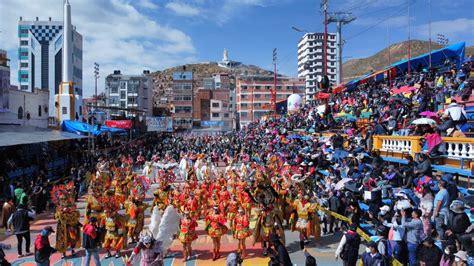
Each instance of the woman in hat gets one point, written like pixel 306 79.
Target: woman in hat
pixel 187 233
pixel 215 227
pixel 240 227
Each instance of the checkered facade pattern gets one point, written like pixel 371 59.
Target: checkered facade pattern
pixel 45 32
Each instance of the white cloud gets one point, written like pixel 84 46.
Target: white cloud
pixel 115 34
pixel 182 9
pixel 147 4
pixel 456 30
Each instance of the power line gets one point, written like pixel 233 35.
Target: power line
pixel 377 23
pixel 358 5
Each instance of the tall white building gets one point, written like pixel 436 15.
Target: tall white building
pixel 40 60
pixel 311 60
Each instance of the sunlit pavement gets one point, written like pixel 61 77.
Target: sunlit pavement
pixel 323 251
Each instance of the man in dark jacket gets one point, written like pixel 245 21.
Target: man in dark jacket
pixel 373 257
pixel 348 249
pixel 281 257
pixel 90 241
pixel 21 227
pixel 43 249
pixel 429 254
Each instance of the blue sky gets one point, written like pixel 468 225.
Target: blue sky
pixel 133 35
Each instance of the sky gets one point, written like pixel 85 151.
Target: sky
pixel 134 35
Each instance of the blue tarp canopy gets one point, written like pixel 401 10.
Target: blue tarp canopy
pixel 455 54
pixel 84 129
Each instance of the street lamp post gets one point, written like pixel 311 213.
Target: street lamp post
pixel 96 76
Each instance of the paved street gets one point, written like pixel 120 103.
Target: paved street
pixel 202 248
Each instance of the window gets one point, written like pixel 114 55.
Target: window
pixel 182 109
pixel 257 96
pixel 39 110
pixel 20 112
pixel 243 97
pixel 243 87
pixel 23 53
pixel 23 42
pixel 24 31
pixel 23 64
pixel 243 105
pixel 114 90
pixel 132 100
pixel 122 95
pixel 226 115
pixel 243 114
pixel 183 86
pixel 64 110
pixel 122 104
pixel 24 76
pixel 257 87
pixel 215 115
pixel 268 87
pixel 24 87
pixel 215 105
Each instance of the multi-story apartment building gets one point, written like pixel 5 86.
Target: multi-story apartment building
pixel 183 97
pixel 212 103
pixel 40 58
pixel 254 95
pixel 129 92
pixel 311 60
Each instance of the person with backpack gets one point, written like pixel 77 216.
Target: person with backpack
pixel 21 227
pixel 91 241
pixel 43 249
pixel 348 249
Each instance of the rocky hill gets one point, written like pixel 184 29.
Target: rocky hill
pixel 163 79
pixel 357 67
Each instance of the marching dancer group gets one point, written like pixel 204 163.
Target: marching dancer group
pixel 248 200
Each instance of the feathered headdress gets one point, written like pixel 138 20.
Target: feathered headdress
pixel 63 195
pixel 140 186
pixel 110 202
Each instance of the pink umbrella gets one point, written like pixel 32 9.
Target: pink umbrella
pixel 403 89
pixel 428 114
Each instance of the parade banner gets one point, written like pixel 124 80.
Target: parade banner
pixel 159 124
pixel 125 124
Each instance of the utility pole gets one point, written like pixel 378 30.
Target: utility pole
pixel 274 82
pixel 96 76
pixel 324 6
pixel 429 30
pixel 340 18
pixel 409 43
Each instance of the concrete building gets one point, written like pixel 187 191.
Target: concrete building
pixel 40 58
pixel 212 103
pixel 4 80
pixel 129 91
pixel 183 98
pixel 254 95
pixel 311 60
pixel 20 107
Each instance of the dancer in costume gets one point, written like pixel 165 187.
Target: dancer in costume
pixel 241 230
pixel 135 207
pixel 306 212
pixel 99 184
pixel 68 229
pixel 149 250
pixel 114 226
pixel 215 227
pixel 187 233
